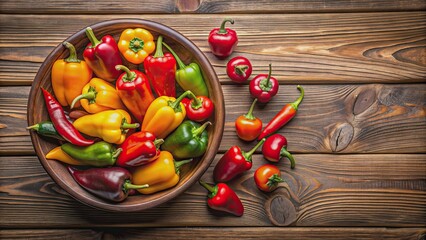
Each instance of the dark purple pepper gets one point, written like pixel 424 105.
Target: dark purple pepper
pixel 112 183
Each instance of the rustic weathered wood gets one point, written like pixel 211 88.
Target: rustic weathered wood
pixel 303 48
pixel 209 6
pixel 331 118
pixel 324 190
pixel 222 233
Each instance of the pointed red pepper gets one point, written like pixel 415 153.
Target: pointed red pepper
pixel 222 41
pixel 134 90
pixel 138 149
pixel 198 108
pixel 102 56
pixel 161 71
pixel 264 87
pixel 283 116
pixel 275 147
pixel 234 162
pixel 222 198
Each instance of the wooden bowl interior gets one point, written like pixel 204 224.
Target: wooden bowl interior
pixel 189 174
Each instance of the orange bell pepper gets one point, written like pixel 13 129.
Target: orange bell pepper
pixel 136 44
pixel 69 76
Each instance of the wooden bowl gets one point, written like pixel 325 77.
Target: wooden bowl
pixel 191 173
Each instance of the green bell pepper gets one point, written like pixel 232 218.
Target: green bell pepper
pixel 189 77
pixel 189 140
pixel 99 154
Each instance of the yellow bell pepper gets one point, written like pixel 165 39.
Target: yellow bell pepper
pixel 161 174
pixel 58 154
pixel 136 44
pixel 110 125
pixel 98 95
pixel 164 115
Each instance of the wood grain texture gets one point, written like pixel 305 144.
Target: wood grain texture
pixel 225 233
pixel 303 48
pixel 382 190
pixel 372 118
pixel 209 6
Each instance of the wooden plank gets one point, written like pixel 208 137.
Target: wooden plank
pixel 373 118
pixel 303 48
pixel 209 6
pixel 381 190
pixel 213 233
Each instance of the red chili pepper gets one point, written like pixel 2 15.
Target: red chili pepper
pixel 264 87
pixel 223 40
pixel 248 126
pixel 239 69
pixel 275 147
pixel 161 71
pixel 198 108
pixel 134 90
pixel 233 163
pixel 283 116
pixel 102 56
pixel 222 198
pixel 61 123
pixel 267 177
pixel 138 149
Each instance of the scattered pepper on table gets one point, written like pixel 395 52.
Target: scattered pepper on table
pixel 275 147
pixel 264 86
pixel 222 41
pixel 267 177
pixel 239 69
pixel 99 154
pixel 222 198
pixel 198 108
pixel 248 126
pixel 136 44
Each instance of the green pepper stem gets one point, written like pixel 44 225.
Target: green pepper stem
pixel 250 115
pixel 212 189
pixel 126 125
pixel 34 127
pixel 179 164
pixel 241 69
pixel 159 47
pixel 130 76
pixel 176 102
pixel 73 53
pixel 222 29
pixel 127 185
pixel 89 32
pixel 201 129
pixel 296 103
pixel 158 142
pixel 180 63
pixel 265 84
pixel 197 103
pixel 274 180
pixel 90 95
pixel 116 153
pixel 247 155
pixel 285 153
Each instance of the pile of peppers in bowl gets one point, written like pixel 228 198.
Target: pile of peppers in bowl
pixel 122 125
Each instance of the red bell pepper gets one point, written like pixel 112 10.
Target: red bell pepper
pixel 135 92
pixel 222 41
pixel 239 69
pixel 161 71
pixel 198 108
pixel 264 87
pixel 61 123
pixel 275 147
pixel 102 56
pixel 283 116
pixel 222 198
pixel 233 163
pixel 138 149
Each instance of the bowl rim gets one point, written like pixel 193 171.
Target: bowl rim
pixel 197 55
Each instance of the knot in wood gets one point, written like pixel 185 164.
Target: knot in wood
pixel 280 210
pixel 364 100
pixel 341 136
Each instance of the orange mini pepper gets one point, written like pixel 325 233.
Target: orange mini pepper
pixel 69 76
pixel 136 44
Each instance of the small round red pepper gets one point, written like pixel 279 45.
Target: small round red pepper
pixel 264 86
pixel 248 126
pixel 239 69
pixel 267 177
pixel 222 198
pixel 198 108
pixel 223 40
pixel 275 147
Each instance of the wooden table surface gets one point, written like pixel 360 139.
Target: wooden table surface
pixel 359 138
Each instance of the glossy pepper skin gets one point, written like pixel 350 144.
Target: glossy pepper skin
pixel 239 69
pixel 283 116
pixel 264 86
pixel 164 115
pixel 136 44
pixel 189 77
pixel 69 76
pixel 99 154
pixel 161 71
pixel 110 125
pixel 248 126
pixel 112 183
pixel 267 177
pixel 275 147
pixel 189 140
pixel 198 108
pixel 162 173
pixel 135 92
pixel 138 149
pixel 234 162
pixel 64 127
pixel 97 96
pixel 222 41
pixel 102 56
pixel 46 128
pixel 58 154
pixel 222 198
